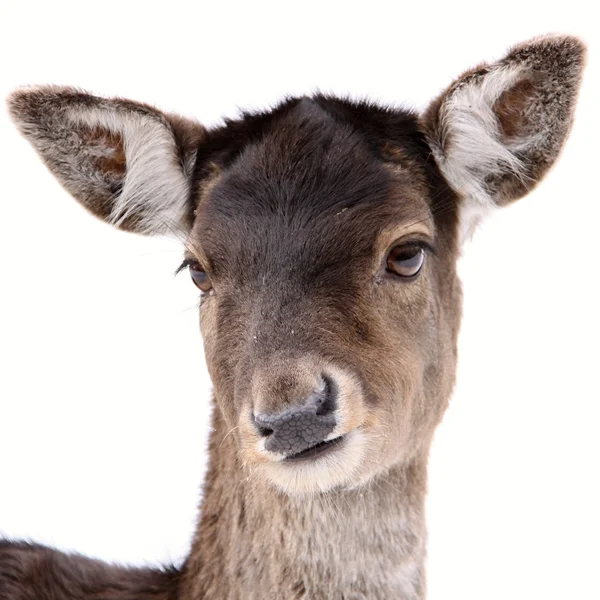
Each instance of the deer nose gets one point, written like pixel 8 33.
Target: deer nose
pixel 302 426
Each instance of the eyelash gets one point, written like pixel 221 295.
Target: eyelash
pixel 422 244
pixel 188 262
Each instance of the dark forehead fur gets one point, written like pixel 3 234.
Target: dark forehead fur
pixel 374 122
pixel 310 170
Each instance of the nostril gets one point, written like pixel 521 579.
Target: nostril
pixel 261 426
pixel 326 400
pixel 264 431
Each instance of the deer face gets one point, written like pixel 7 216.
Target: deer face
pixel 323 236
pixel 324 265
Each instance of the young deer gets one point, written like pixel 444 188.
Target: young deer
pixel 323 235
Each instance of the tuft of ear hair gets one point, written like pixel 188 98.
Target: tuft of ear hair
pixel 126 162
pixel 497 130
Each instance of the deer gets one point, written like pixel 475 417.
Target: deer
pixel 323 235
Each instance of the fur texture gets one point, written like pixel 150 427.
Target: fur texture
pixel 292 214
pixel 498 129
pixel 126 162
pixel 33 572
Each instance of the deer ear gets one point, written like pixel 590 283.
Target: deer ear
pixel 127 163
pixel 499 128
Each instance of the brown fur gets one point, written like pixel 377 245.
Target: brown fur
pixel 292 213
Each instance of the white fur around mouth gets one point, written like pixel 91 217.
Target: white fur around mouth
pixel 339 465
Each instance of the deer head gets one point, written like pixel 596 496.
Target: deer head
pixel 323 235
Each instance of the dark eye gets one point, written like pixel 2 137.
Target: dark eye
pixel 200 277
pixel 405 261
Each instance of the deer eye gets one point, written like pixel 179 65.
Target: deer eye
pixel 200 277
pixel 405 261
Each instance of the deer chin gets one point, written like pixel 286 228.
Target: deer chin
pixel 338 462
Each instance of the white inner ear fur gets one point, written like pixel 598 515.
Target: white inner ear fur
pixel 156 185
pixel 470 148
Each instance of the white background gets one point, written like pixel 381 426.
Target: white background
pixel 104 399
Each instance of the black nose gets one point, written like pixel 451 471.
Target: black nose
pixel 302 426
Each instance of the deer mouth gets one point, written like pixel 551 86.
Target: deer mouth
pixel 317 450
pixel 325 465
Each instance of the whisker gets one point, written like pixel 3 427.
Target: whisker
pixel 227 434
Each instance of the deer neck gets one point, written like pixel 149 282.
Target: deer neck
pixel 254 542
